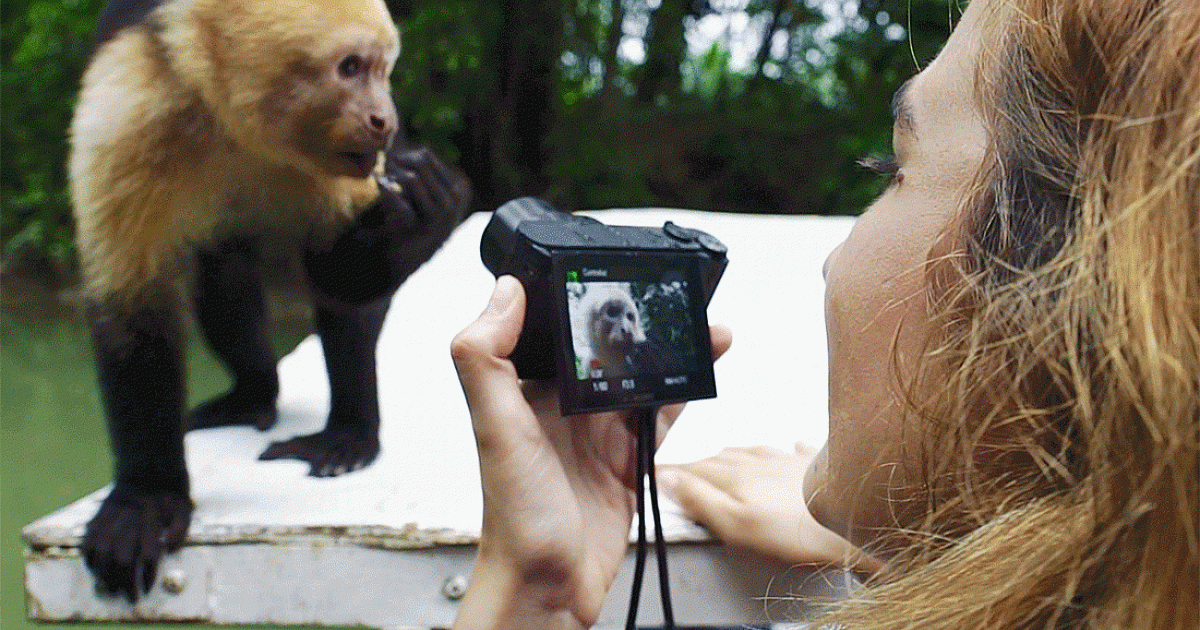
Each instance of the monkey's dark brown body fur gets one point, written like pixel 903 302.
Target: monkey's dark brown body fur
pixel 205 127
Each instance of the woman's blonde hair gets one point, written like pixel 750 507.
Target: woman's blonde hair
pixel 1062 453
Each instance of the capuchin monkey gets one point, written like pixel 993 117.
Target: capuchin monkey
pixel 614 327
pixel 619 343
pixel 204 130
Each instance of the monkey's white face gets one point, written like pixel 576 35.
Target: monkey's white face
pixel 617 324
pixel 357 118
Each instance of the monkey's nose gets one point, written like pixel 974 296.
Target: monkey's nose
pixel 382 127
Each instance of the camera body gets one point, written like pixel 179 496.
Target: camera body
pixel 615 314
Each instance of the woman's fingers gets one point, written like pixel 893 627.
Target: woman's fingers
pixel 722 338
pixel 701 499
pixel 481 352
pixel 752 497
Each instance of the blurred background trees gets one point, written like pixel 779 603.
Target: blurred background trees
pixel 725 105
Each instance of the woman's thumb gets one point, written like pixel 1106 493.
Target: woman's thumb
pixel 480 351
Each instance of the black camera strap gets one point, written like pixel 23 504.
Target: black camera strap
pixel 647 420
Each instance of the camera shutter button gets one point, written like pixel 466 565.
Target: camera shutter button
pixel 688 235
pixel 678 233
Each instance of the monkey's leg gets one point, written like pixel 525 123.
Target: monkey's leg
pixel 140 364
pixel 232 313
pixel 350 440
pixel 353 278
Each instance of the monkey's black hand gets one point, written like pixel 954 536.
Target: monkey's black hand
pixel 421 201
pixel 423 189
pixel 329 453
pixel 129 535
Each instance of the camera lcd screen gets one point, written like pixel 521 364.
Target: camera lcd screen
pixel 636 334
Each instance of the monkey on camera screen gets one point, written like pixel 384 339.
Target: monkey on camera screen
pixel 614 327
pixel 204 129
pixel 618 340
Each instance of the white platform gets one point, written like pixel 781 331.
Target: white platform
pixel 387 546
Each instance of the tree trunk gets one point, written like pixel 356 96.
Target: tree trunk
pixel 666 49
pixel 513 113
pixel 612 68
pixel 764 48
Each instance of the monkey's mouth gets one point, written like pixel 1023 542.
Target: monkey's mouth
pixel 621 340
pixel 361 163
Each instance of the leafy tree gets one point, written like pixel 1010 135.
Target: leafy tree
pixel 536 97
pixel 44 47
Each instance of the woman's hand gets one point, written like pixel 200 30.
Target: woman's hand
pixel 752 497
pixel 558 494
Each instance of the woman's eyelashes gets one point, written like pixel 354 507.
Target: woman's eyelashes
pixel 886 167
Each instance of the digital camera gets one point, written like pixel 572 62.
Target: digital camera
pixel 615 314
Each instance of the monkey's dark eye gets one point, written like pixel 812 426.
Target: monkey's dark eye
pixel 351 65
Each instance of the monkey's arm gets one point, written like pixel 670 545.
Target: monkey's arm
pixel 421 201
pixel 139 359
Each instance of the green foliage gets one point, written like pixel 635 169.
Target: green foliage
pixel 45 44
pixel 532 98
pixel 442 53
pixel 667 317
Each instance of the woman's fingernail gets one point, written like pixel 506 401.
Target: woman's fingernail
pixel 668 482
pixel 502 295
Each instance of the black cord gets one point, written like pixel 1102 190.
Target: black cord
pixel 645 432
pixel 639 565
pixel 660 541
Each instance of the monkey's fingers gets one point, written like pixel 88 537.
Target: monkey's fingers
pixel 175 519
pixel 334 463
pixel 328 453
pixel 128 537
pixel 431 182
pixel 425 161
pixel 146 551
pixel 426 198
pixel 101 548
pixel 164 520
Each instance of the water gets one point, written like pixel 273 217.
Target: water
pixel 54 442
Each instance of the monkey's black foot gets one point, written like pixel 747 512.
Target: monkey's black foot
pixel 234 409
pixel 332 452
pixel 129 535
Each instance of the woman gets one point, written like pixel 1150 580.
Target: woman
pixel 1014 346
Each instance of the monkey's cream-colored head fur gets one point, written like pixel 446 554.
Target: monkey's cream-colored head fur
pixel 264 66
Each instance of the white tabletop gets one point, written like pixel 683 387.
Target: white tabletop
pixel 414 514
